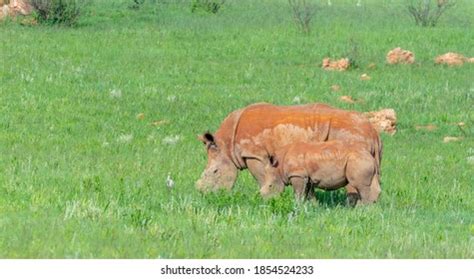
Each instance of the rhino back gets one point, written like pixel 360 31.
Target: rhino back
pixel 275 126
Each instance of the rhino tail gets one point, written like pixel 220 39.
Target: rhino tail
pixel 378 155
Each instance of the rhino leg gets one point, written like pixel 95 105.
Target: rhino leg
pixel 303 190
pixel 363 179
pixel 352 195
pixel 371 193
pixel 310 195
pixel 257 169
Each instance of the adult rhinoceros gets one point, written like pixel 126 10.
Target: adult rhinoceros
pixel 271 127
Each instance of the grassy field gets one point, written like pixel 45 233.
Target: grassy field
pixel 94 118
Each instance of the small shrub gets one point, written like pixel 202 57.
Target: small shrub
pixel 284 204
pixel 427 12
pixel 353 54
pixel 136 4
pixel 303 13
pixel 62 12
pixel 210 6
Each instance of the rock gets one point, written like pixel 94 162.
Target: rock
pixel 451 139
pixel 384 120
pixel 429 127
pixel 451 59
pixel 400 56
pixel 365 77
pixel 335 87
pixel 159 122
pixel 347 99
pixel 336 65
pixel 372 66
pixel 140 116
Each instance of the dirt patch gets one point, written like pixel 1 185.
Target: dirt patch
pixel 453 59
pixel 15 8
pixel 336 65
pixel 429 127
pixel 384 120
pixel 4 11
pixel 400 56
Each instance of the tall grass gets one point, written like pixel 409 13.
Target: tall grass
pixel 85 113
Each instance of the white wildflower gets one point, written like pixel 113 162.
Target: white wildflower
pixel 151 137
pixel 116 93
pixel 439 158
pixel 297 100
pixel 171 139
pixel 249 72
pixel 26 77
pixel 169 181
pixel 171 98
pixel 125 138
pixel 470 160
pixel 82 209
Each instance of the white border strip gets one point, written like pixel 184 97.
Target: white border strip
pixel 323 269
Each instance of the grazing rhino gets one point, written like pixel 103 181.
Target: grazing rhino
pixel 325 165
pixel 272 127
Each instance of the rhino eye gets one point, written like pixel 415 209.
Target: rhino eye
pixel 215 171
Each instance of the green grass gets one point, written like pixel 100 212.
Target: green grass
pixel 82 177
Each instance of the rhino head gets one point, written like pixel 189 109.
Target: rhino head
pixel 264 168
pixel 272 184
pixel 220 172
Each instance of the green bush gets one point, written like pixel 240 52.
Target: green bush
pixel 136 4
pixel 61 12
pixel 210 6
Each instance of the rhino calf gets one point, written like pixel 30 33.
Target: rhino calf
pixel 325 165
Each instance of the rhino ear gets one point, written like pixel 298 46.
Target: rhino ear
pixel 273 161
pixel 208 139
